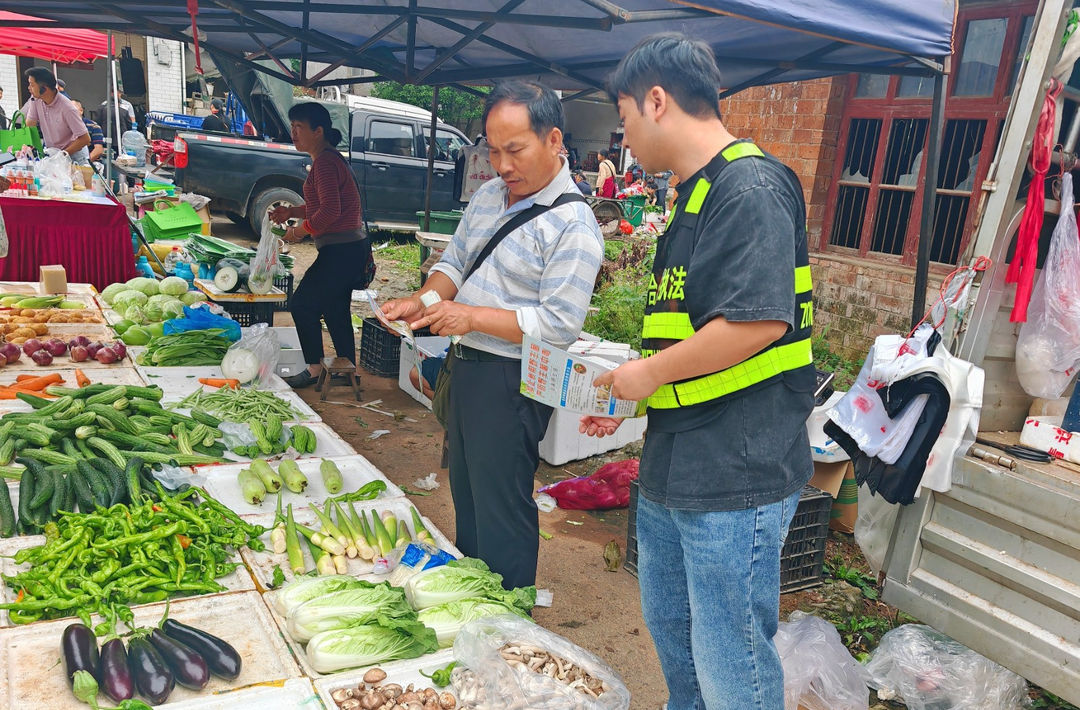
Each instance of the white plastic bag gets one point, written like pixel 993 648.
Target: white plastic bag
pixel 478 169
pixel 55 174
pixel 819 672
pixel 490 683
pixel 930 671
pixel 1048 347
pixel 256 354
pixel 874 526
pixel 266 266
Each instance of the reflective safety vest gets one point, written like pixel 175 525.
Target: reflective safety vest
pixel 667 321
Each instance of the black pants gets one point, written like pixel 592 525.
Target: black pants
pixel 493 435
pixel 325 292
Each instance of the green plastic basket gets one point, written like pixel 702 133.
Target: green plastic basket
pixel 441 222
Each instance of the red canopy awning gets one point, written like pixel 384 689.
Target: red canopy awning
pixel 64 46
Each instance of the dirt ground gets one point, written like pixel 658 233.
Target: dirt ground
pixel 596 609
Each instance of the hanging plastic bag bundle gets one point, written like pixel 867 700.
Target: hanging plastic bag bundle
pixel 55 174
pixel 266 266
pixel 1048 347
pixel 254 358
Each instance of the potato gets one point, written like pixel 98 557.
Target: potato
pixel 17 341
pixel 28 312
pixel 40 328
pixel 22 319
pixel 41 318
pixel 25 333
pixel 8 328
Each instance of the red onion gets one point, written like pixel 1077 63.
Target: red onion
pixel 32 345
pixel 93 348
pixel 11 352
pixel 41 357
pixel 120 348
pixel 106 356
pixel 55 346
pixel 79 340
pixel 79 353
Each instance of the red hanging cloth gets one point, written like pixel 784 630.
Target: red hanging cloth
pixel 1022 269
pixel 193 10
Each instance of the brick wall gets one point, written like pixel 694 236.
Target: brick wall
pixel 165 84
pixel 799 123
pixel 9 82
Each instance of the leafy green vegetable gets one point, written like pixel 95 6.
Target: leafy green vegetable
pixel 173 286
pixel 366 604
pixel 463 580
pixel 447 619
pixel 279 577
pixel 303 589
pixel 360 646
pixel 111 292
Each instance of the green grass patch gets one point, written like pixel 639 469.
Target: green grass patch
pixel 846 370
pixel 620 307
pixel 407 254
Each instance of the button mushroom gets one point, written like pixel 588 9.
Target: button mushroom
pixel 375 675
pixel 447 701
pixel 342 694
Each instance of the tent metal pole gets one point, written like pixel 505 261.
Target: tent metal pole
pixel 108 113
pixel 431 157
pixel 929 204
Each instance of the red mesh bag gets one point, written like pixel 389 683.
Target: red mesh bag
pixel 608 488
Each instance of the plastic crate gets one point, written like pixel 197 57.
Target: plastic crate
pixel 380 350
pixel 284 283
pixel 250 313
pixel 441 222
pixel 803 556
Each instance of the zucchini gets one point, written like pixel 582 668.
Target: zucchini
pixel 331 476
pixel 7 512
pixel 270 479
pixel 294 478
pixel 36 402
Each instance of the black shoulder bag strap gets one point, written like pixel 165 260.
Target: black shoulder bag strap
pixel 516 221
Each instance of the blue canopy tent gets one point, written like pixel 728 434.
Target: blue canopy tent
pixel 569 45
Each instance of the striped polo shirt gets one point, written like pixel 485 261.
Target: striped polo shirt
pixel 544 270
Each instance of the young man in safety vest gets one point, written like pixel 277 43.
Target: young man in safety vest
pixel 728 376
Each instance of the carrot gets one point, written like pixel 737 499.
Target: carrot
pixel 40 383
pixel 81 378
pixel 219 382
pixel 24 378
pixel 10 392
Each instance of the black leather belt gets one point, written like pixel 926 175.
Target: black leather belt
pixel 464 352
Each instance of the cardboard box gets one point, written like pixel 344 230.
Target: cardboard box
pixel 432 346
pixel 838 480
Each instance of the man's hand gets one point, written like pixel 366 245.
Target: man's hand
pixel 4 184
pixel 599 426
pixel 280 214
pixel 403 308
pixel 633 380
pixel 448 318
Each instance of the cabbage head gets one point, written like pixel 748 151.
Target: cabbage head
pixel 147 285
pixel 192 297
pixel 111 291
pixel 152 312
pixel 172 309
pixel 135 314
pixel 173 286
pixel 126 298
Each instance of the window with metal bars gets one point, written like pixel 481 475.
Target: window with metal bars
pixel 875 198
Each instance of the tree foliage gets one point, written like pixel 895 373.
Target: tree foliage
pixel 456 107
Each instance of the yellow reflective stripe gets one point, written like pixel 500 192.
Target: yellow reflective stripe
pixel 803 282
pixel 747 373
pixel 667 326
pixel 697 197
pixel 742 150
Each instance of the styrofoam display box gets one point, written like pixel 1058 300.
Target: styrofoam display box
pixel 291 357
pixel 822 447
pixel 431 346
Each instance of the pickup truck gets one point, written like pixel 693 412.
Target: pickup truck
pixel 386 145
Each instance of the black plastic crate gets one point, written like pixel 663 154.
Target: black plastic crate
pixel 249 313
pixel 284 283
pixel 380 350
pixel 803 556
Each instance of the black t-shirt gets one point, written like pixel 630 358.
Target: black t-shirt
pixel 215 124
pixel 752 449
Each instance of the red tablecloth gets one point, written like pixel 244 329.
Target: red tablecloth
pixel 91 241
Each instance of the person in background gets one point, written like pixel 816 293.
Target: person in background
pixel 123 108
pixel 215 121
pixel 331 216
pixel 662 179
pixel 3 116
pixel 429 369
pixel 582 183
pixel 97 136
pixel 537 282
pixel 728 377
pixel 605 177
pixel 61 86
pixel 61 125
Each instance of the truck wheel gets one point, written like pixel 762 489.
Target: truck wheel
pixel 269 199
pixel 236 218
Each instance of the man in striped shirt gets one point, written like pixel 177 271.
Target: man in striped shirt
pixel 538 281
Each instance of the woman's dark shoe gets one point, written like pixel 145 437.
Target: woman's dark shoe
pixel 302 379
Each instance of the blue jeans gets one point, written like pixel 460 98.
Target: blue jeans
pixel 710 593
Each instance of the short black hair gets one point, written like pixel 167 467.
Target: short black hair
pixel 42 76
pixel 316 116
pixel 685 68
pixel 545 109
pixel 603 152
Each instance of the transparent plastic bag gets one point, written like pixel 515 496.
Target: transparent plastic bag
pixel 55 174
pixel 930 671
pixel 873 527
pixel 491 683
pixel 266 266
pixel 1048 347
pixel 819 672
pixel 259 344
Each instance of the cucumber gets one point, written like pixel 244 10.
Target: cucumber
pixel 132 479
pixel 83 495
pixel 154 393
pixel 108 397
pixel 43 488
pixel 100 490
pixel 26 492
pixel 56 503
pixel 204 418
pixel 7 512
pixel 113 474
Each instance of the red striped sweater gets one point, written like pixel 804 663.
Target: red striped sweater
pixel 332 201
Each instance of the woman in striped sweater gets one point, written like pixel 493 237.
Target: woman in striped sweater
pixel 331 216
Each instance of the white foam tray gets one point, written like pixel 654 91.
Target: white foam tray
pixel 238 581
pixel 32 675
pixel 64 362
pixel 262 563
pixel 356 471
pixel 179 382
pixel 328 444
pixel 404 673
pixel 116 374
pixel 307 414
pixel 293 694
pixel 66 331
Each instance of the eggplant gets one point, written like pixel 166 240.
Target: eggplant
pixel 80 651
pixel 116 680
pixel 153 679
pixel 188 667
pixel 220 657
